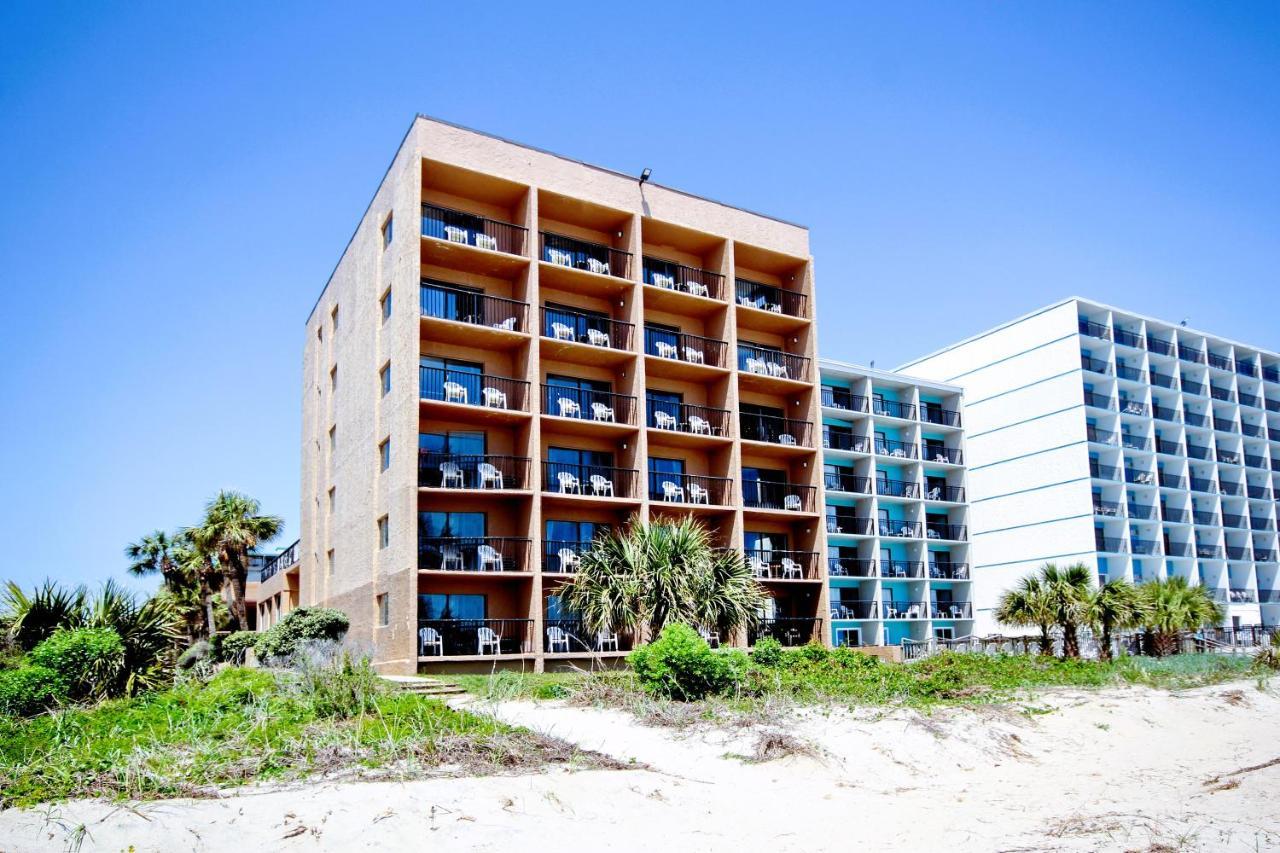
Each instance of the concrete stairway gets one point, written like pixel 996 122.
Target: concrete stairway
pixel 422 686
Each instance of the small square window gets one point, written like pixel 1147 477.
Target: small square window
pixel 384 610
pixel 386 231
pixel 385 302
pixel 384 532
pixel 384 454
pixel 384 376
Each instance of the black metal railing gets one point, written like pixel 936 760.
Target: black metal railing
pixel 842 440
pixel 855 608
pixel 689 489
pixel 951 494
pixel 459 637
pixel 763 494
pixel 457 226
pixel 564 325
pixel 843 398
pixel 904 609
pixel 1095 330
pixel 1095 365
pixel 561 556
pixel 445 302
pixel 775 430
pixel 900 529
pixel 942 455
pixel 1190 354
pixel 939 570
pixel 670 275
pixel 855 525
pixel 902 569
pixel 588 404
pixel 897 488
pixel 678 346
pixel 686 417
pixel 936 415
pixel 1219 361
pixel 283 560
pixel 952 609
pixel 1110 509
pixel 583 255
pixel 783 565
pixel 473 389
pixel 1097 401
pixel 899 449
pixel 473 554
pixel 893 409
pixel 565 478
pixel 846 481
pixel 440 470
pixel 851 567
pixel 570 636
pixel 944 530
pixel 771 362
pixel 767 297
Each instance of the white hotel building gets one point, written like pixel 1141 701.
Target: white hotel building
pixel 1140 447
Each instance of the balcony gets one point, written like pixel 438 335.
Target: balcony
pixel 1175 516
pixel 851 567
pixel 897 488
pixel 1196 388
pixel 1209 552
pixel 1101 436
pixel 1253 430
pixel 1171 448
pixel 1267 556
pixel 1257 522
pixel 1236 552
pixel 457 471
pixel 670 275
pixel 1233 489
pixel 1142 512
pixel 692 489
pixel 1191 354
pixel 843 398
pixel 1196 419
pixel 578 254
pixel 1129 339
pixel 1135 442
pixel 855 609
pixel 1095 365
pixel 783 565
pixel 893 409
pixel 570 637
pixel 561 556
pixel 1178 549
pixel 1110 546
pixel 897 449
pixel 942 530
pixel 952 609
pixel 1224 425
pixel 949 494
pixel 484 638
pixel 1220 393
pixel 1139 478
pixel 1244 596
pixel 788 630
pixel 1271 374
pixel 283 560
pixel 1260 492
pixel 682 349
pixel 790 497
pixel 1273 434
pixel 1133 407
pixel 446 385
pixel 770 429
pixel 1221 362
pixel 473 554
pixel 942 417
pixel 1095 330
pixel 595 481
pixel 902 569
pixel 1234 521
pixel 1195 451
pixel 1207 518
pixel 772 363
pixel 1098 401
pixel 1159 346
pixel 591 406
pixel 839 481
pixel 899 529
pixel 1132 374
pixel 1273 405
pixel 1171 481
pixel 1229 457
pixel 766 297
pixel 1144 546
pixel 852 525
pixel 1250 400
pixel 949 571
pixel 905 609
pixel 1201 485
pixel 468 229
pixel 594 330
pixel 491 314
pixel 833 440
pixel 1165 414
pixel 1162 380
pixel 1103 472
pixel 688 419
pixel 1107 509
pixel 1246 368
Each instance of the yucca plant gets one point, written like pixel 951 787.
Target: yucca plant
pixel 1173 606
pixel 31 619
pixel 150 629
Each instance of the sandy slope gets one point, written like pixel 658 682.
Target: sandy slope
pixel 1117 770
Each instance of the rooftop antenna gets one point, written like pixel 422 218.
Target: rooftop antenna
pixel 873 364
pixel 1184 322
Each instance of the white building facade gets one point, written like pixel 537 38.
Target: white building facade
pixel 1140 447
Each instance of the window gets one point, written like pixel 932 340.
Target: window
pixel 666 402
pixel 443 606
pixel 387 230
pixel 384 532
pixel 385 302
pixel 333 378
pixel 384 454
pixel 434 372
pixel 330 561
pixel 384 610
pixel 333 315
pixel 760 423
pixel 666 471
pixel 449 301
pixel 384 378
pixel 566 539
pixel 763 487
pixel 568 396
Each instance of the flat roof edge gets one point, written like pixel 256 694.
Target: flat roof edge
pixel 887 375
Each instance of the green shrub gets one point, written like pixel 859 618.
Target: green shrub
pixel 29 690
pixel 768 652
pixel 300 626
pixel 680 665
pixel 199 651
pixel 88 661
pixel 233 646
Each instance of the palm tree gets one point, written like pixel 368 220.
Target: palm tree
pixel 233 525
pixel 1172 606
pixel 644 576
pixel 31 619
pixel 160 552
pixel 1069 590
pixel 1114 606
pixel 196 561
pixel 1029 605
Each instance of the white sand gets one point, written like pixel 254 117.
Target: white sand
pixel 1115 770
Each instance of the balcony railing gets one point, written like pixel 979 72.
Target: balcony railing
pixel 1108 509
pixel 1195 451
pixel 564 478
pixel 1273 405
pixel 1219 361
pixel 771 362
pixel 579 254
pixel 1177 549
pixel 1224 425
pixel 587 404
pixel 1196 388
pixel 1260 492
pixel 942 417
pixel 1111 546
pixel 1271 374
pixel 1236 552
pixel 1229 457
pixel 843 398
pixel 1253 430
pixel 1228 488
pixel 472 230
pixel 1249 399
pixel 1141 478
pixel 900 529
pixel 949 571
pixel 854 525
pixel 670 275
pixel 1204 517
pixel 1244 596
pixel 1163 380
pixel 853 608
pixel 561 556
pixel 902 569
pixel 775 430
pixel 678 346
pixel 1165 414
pixel 1163 445
pixel 840 440
pixel 766 297
pixel 1273 434
pixel 473 389
pixel 942 530
pixel 1267 556
pixel 444 302
pixel 1129 339
pixel 893 409
pixel 851 567
pixel 689 489
pixel 897 449
pixel 1124 371
pixel 1219 393
pixel 1144 546
pixel 951 494
pixel 563 325
pixel 459 637
pixel 952 609
pixel 1095 365
pixel 570 636
pixel 897 488
pixel 283 560
pixel 894 609
pixel 1175 516
pixel 783 565
pixel 1097 401
pixel 1145 512
pixel 1259 523
pixel 1246 368
pixel 1190 354
pixel 1159 346
pixel 1209 552
pixel 1095 330
pixel 1101 436
pixel 839 481
pixel 1135 442
pixel 1103 472
pixel 1232 520
pixel 763 494
pixel 439 470
pixel 1201 485
pixel 788 630
pixel 473 554
pixel 1133 407
pixel 686 417
pixel 1196 419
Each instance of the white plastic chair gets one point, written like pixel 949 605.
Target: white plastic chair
pixel 490 476
pixel 597 266
pixel 759 567
pixel 507 325
pixel 568 559
pixel 568 483
pixel 597 338
pixel 697 288
pixel 660 280
pixel 746 302
pixel 601 412
pixel 560 257
pixel 455 393
pixel 601 485
pixel 451 558
pixel 556 636
pixel 666 350
pixel 787 439
pixel 791 569
pixel 568 407
pixel 664 420
pixel 777 368
pixel 699 426
pixel 791 502
pixel 672 492
pixel 698 494
pixel 487 241
pixel 562 332
pixel 694 356
pixel 429 638
pixel 451 474
pixel 490 559
pixel 756 365
pixel 486 638
pixel 935 494
pixel 493 398
pixel 455 235
pixel 604 639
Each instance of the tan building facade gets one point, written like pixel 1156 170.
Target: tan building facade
pixel 518 350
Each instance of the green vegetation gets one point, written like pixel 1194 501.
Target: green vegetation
pixel 27 690
pixel 247 725
pixel 232 647
pixel 298 627
pixel 88 661
pixel 1267 658
pixel 680 665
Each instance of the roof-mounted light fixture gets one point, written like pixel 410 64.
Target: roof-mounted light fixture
pixel 644 176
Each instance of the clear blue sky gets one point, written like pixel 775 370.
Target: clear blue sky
pixel 178 181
